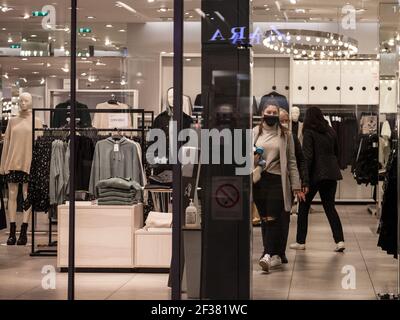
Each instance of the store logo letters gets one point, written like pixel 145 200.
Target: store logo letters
pixel 49 21
pixel 237 36
pixel 349 280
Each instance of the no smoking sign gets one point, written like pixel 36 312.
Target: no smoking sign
pixel 227 202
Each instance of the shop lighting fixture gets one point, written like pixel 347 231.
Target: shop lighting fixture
pixel 278 5
pixel 65 69
pixel 293 1
pixel 5 76
pixel 109 25
pixel 162 9
pixel 122 30
pixel 42 81
pixel 35 72
pixel 300 10
pixel 91 17
pixel 99 63
pixel 150 1
pixel 5 8
pixel 9 40
pixel 26 16
pixel 33 35
pixel 123 82
pixel 15 68
pixel 84 74
pixel 48 64
pixel 24 79
pixel 125 6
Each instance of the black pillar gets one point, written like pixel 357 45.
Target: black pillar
pixel 226 90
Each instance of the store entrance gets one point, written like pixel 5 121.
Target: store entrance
pixel 340 66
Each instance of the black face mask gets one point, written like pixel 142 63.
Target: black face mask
pixel 271 120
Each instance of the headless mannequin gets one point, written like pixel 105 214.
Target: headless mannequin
pixel 25 120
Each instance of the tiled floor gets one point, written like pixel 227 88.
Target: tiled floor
pixel 312 274
pixel 316 273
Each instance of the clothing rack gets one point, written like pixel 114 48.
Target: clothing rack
pixel 141 112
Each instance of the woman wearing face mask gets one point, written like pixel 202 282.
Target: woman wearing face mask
pixel 320 149
pixel 273 192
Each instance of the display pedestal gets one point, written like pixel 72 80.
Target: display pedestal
pixel 105 235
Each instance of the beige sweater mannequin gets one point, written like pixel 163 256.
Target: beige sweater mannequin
pixel 17 156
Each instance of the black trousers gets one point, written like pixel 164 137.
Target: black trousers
pixel 268 197
pixel 327 191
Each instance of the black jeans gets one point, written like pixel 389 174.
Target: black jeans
pixel 268 197
pixel 327 191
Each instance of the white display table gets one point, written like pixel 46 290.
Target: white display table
pixel 104 235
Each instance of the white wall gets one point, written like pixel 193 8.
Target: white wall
pixel 146 41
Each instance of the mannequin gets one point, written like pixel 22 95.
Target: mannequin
pixel 186 102
pixel 15 164
pixel 297 126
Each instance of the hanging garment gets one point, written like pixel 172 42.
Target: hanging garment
pixel 58 177
pixel 61 114
pixel 388 223
pixel 276 97
pixel 38 191
pixel 3 220
pixel 198 106
pixel 115 159
pixel 297 129
pixel 366 165
pixel 112 120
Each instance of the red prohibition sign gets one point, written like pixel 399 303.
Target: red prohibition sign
pixel 227 196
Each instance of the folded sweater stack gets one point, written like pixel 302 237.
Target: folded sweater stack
pixel 118 191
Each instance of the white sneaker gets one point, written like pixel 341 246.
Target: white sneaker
pixel 297 246
pixel 265 263
pixel 276 261
pixel 340 247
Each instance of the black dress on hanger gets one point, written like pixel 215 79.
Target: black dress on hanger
pixel 61 114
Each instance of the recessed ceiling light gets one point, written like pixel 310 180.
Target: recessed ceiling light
pixel 24 59
pixel 53 76
pixel 293 1
pixel 15 68
pixel 9 40
pixel 91 17
pixel 4 29
pixel 33 35
pixel 109 25
pixel 35 72
pixel 150 1
pixel 26 16
pixel 122 30
pixel 84 74
pixel 188 59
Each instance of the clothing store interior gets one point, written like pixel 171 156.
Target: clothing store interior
pixel 341 56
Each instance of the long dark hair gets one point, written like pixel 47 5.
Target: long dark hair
pixel 314 120
pixel 271 102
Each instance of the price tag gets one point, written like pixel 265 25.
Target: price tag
pixel 116 147
pixel 118 121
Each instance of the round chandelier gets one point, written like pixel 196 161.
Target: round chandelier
pixel 311 44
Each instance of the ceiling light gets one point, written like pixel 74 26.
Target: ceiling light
pixel 123 82
pixel 308 39
pixel 107 42
pixel 109 25
pixel 15 68
pixel 42 81
pixel 5 8
pixel 5 76
pixel 24 59
pixel 125 6
pixel 98 63
pixel 27 16
pixel 300 11
pixel 9 40
pixel 91 17
pixel 48 64
pixel 150 1
pixel 293 1
pixel 84 74
pixel 24 79
pixel 122 30
pixel 65 69
pixel 33 35
pixel 188 59
pixel 35 72
pixel 298 38
pixel 94 39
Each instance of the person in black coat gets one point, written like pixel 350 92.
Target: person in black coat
pixel 320 150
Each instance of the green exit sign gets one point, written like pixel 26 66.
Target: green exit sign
pixel 85 30
pixel 15 46
pixel 39 13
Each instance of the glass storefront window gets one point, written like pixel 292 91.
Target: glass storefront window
pixel 252 194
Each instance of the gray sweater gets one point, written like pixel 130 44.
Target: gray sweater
pixel 115 161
